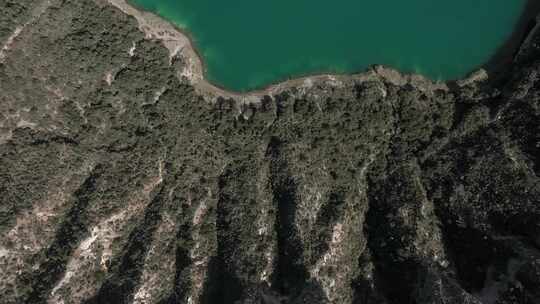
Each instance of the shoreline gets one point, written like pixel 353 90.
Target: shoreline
pixel 180 43
pixel 503 58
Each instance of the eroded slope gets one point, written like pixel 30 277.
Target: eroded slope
pixel 119 183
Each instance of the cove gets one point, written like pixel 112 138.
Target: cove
pixel 249 44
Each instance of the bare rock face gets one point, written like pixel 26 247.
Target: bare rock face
pixel 120 183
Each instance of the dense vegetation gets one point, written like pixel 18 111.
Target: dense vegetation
pixel 136 189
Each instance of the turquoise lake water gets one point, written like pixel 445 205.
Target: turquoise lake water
pixel 250 44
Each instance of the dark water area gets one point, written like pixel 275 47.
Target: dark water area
pixel 247 45
pixel 499 63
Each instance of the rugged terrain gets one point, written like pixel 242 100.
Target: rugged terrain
pixel 121 183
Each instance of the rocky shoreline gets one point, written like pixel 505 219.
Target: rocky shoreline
pixel 180 44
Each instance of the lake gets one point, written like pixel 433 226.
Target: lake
pixel 250 44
